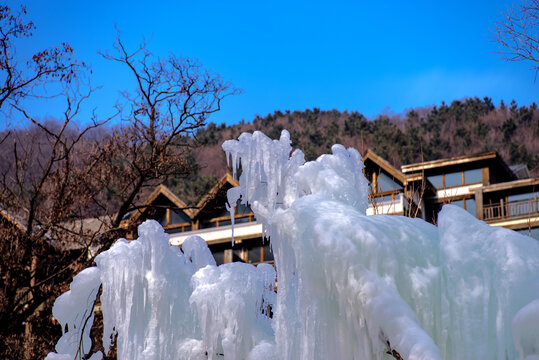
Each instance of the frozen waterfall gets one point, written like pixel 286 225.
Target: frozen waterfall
pixel 350 286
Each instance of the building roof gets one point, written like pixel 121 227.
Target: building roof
pixel 396 174
pixel 18 223
pixel 169 195
pixel 457 160
pixel 227 179
pixel 520 170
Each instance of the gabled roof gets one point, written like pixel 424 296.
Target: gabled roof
pixel 13 220
pixel 167 193
pixel 226 179
pixel 521 171
pixel 396 174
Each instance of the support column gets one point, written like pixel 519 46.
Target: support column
pixel 228 256
pixel 479 203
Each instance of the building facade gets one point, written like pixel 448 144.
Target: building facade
pixel 481 184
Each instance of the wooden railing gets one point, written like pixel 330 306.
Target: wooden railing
pixel 225 220
pixel 179 227
pixel 511 209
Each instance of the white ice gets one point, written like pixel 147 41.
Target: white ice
pixel 349 286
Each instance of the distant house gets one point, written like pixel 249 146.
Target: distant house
pixel 486 187
pixel 482 184
pixel 211 220
pixel 395 193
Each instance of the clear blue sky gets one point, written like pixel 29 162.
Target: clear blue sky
pixel 369 56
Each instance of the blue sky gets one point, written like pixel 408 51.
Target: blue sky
pixel 371 56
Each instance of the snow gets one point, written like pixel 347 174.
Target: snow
pixel 74 310
pixel 350 286
pixel 230 301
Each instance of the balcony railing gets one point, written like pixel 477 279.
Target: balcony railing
pixel 225 220
pixel 511 209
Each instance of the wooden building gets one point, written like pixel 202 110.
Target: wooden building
pixel 210 220
pixel 482 184
pixel 486 187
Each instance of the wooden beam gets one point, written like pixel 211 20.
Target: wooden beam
pixel 479 203
pixel 485 176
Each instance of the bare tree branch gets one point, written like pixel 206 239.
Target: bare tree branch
pixel 518 34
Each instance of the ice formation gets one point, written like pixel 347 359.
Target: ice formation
pixel 349 286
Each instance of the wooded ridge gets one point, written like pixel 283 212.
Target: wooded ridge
pixel 463 127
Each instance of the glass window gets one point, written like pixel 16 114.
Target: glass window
pixel 531 232
pixel 470 206
pixel 385 183
pixel 241 220
pixel 472 176
pixel 437 181
pixel 453 179
pixel 379 200
pixel 254 254
pixel 161 217
pixel 243 209
pixel 459 203
pixel 178 217
pixel 526 196
pixel 208 224
pixel 268 254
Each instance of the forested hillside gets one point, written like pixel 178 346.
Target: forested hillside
pixel 462 127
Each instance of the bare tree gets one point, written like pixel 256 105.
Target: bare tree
pixel 40 176
pixel 64 189
pixel 518 34
pixel 173 98
pixel 21 79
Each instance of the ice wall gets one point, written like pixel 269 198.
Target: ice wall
pixel 349 286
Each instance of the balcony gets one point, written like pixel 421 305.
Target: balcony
pixel 511 209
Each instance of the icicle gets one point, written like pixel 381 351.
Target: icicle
pixel 350 286
pixel 232 195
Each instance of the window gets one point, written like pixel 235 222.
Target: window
pixel 466 204
pixel 531 232
pixel 472 176
pixel 219 257
pixel 225 222
pixel 161 217
pixel 453 179
pixel 385 183
pixel 208 224
pixel 383 199
pixel 259 253
pixel 526 196
pixel 242 220
pixel 458 178
pixel 243 209
pixel 178 217
pixel 437 181
pixel 268 254
pixel 255 254
pixel 470 206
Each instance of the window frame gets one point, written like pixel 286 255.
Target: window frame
pixel 462 177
